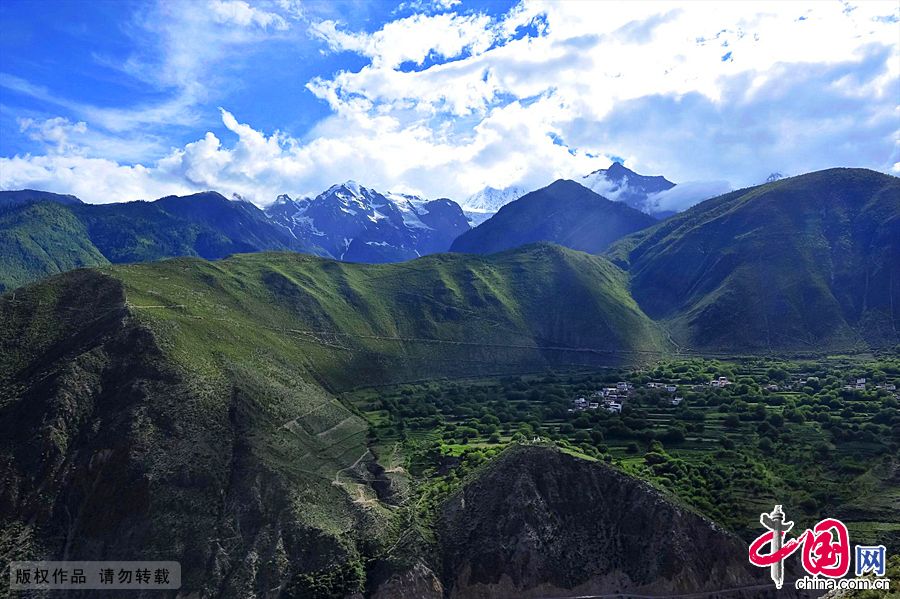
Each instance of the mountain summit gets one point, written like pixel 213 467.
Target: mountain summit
pixel 357 224
pixel 799 263
pixel 491 199
pixel 622 184
pixel 564 212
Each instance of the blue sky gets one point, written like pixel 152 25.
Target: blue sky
pixel 122 100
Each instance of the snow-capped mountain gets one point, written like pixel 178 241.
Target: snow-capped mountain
pixel 616 183
pixel 481 205
pixel 622 184
pixel 356 224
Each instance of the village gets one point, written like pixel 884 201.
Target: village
pixel 612 399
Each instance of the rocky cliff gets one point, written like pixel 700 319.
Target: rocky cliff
pixel 540 523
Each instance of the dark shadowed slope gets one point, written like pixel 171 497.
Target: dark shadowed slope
pixel 10 199
pixel 564 212
pixel 808 263
pixel 206 224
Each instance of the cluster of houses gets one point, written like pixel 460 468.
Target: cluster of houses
pixel 861 383
pixel 611 399
pixel 608 398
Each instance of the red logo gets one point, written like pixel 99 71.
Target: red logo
pixel 826 547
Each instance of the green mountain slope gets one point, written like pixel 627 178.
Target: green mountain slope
pixel 41 239
pixel 439 315
pixel 47 233
pixel 207 225
pixel 564 213
pixel 184 408
pixel 805 263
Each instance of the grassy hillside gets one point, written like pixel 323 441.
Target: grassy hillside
pixel 184 408
pixel 41 239
pixel 564 212
pixel 439 315
pixel 803 263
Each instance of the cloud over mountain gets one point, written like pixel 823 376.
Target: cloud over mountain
pixel 448 101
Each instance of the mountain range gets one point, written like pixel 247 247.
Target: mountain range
pixel 353 223
pixel 348 222
pixel 43 233
pixel 817 253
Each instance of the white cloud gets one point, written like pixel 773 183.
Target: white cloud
pixel 241 13
pixel 92 179
pixel 686 194
pixel 412 39
pixel 54 132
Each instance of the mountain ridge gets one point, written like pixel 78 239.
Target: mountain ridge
pixel 564 212
pixel 354 223
pixel 804 261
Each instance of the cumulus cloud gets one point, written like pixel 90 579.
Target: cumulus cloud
pixel 449 102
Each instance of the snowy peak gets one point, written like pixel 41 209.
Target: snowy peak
pixel 491 199
pixel 351 222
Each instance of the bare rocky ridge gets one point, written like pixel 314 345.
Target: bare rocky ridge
pixel 541 523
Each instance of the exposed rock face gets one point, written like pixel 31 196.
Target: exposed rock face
pixel 419 582
pixel 540 523
pixel 357 224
